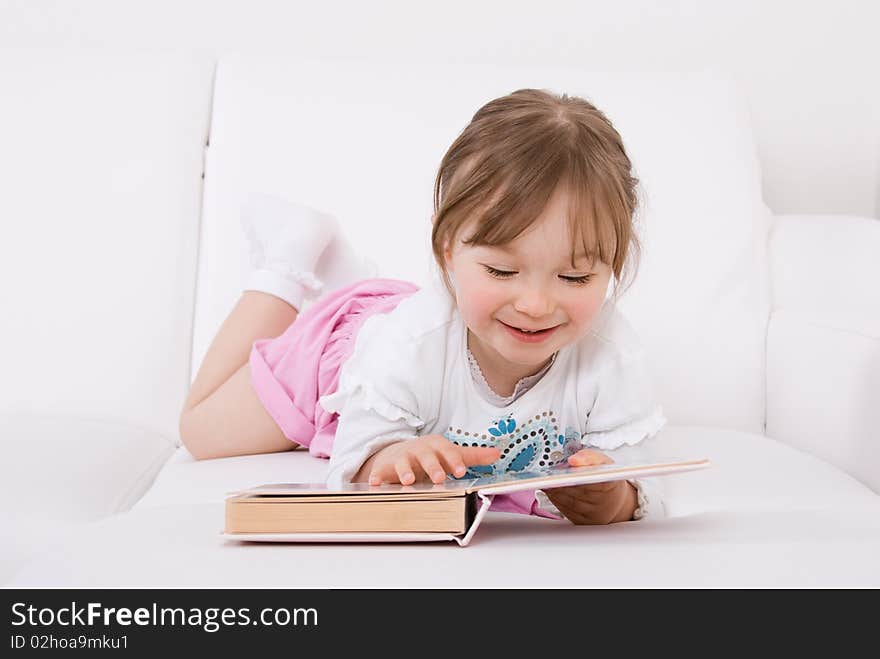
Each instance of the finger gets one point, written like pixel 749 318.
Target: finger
pixel 588 458
pixel 569 499
pixel 590 505
pixel 557 494
pixel 404 471
pixel 377 473
pixel 449 454
pixel 383 473
pixel 594 488
pixel 478 455
pixel 590 492
pixel 431 465
pixel 572 506
pixel 574 510
pixel 452 460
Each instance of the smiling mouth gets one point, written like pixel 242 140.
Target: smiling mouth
pixel 527 331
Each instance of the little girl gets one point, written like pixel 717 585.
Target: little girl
pixel 516 360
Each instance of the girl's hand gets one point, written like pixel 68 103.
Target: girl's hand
pixel 587 457
pixel 428 458
pixel 595 503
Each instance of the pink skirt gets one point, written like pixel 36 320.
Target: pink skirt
pixel 291 372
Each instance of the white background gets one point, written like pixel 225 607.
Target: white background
pixel 809 69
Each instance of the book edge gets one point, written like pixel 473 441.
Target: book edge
pixel 450 489
pixel 540 482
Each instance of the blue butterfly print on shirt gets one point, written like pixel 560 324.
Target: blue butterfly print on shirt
pixel 534 444
pixel 503 427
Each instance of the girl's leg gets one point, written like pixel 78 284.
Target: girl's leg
pixel 257 315
pixel 222 415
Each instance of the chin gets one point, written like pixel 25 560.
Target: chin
pixel 531 356
pixel 526 355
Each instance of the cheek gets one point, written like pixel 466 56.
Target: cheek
pixel 584 309
pixel 478 301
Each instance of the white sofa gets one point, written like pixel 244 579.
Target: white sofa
pixel 123 254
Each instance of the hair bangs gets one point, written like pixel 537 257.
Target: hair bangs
pixel 591 224
pixel 516 203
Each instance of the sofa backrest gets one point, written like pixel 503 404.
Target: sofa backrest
pixel 363 141
pixel 101 165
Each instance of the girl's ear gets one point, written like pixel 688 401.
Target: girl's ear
pixel 447 255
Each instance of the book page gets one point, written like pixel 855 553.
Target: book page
pixel 446 488
pixel 565 474
pixel 562 472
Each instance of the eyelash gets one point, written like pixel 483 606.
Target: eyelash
pixel 503 274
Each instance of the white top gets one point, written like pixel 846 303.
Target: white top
pixel 409 375
pixel 521 387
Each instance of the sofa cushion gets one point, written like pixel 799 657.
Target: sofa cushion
pixel 185 480
pixel 764 515
pixel 822 382
pixel 59 472
pixel 823 340
pixel 778 475
pixel 101 167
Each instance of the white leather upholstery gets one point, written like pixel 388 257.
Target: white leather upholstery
pixel 101 167
pixel 109 275
pixel 823 340
pixel 764 515
pixel 778 476
pixel 59 472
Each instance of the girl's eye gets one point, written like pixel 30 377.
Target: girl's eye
pixel 501 274
pixel 578 280
pixel 504 274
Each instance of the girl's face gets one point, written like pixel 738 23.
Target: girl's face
pixel 527 284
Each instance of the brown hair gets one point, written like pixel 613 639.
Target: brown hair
pixel 509 160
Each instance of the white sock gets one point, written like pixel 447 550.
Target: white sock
pixel 285 240
pixel 341 264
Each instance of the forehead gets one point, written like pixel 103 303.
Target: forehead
pixel 511 249
pixel 549 234
pixel 545 235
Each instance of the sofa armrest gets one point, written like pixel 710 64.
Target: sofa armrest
pixel 58 472
pixel 823 340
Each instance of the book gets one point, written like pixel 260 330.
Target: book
pixel 360 512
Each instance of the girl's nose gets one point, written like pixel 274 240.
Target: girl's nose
pixel 533 300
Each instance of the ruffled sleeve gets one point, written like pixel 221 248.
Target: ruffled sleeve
pixel 650 490
pixel 624 411
pixel 387 390
pixel 362 430
pixel 623 421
